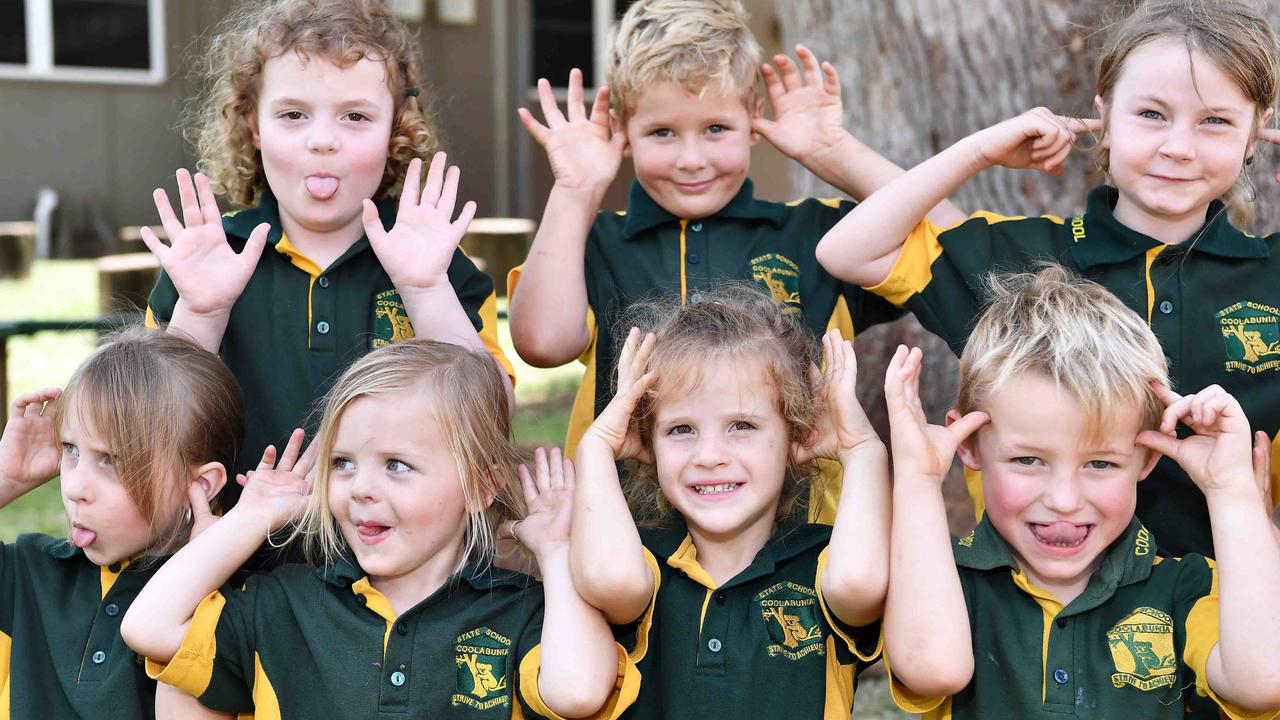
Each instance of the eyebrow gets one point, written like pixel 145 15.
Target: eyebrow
pixel 355 102
pixel 1153 100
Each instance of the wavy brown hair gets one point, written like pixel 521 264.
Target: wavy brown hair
pixel 737 323
pixel 219 122
pixel 1233 35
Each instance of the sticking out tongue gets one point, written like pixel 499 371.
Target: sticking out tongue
pixel 1061 533
pixel 82 537
pixel 322 187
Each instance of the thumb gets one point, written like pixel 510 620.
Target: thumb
pixel 508 530
pixel 201 514
pixel 967 425
pixel 372 223
pixel 253 247
pixel 1161 443
pixel 764 126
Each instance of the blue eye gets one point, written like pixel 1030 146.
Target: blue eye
pixel 398 466
pixel 1215 120
pixel 742 425
pixel 1101 465
pixel 680 430
pixel 1026 461
pixel 717 129
pixel 341 464
pixel 1151 114
pixel 663 132
pixel 70 449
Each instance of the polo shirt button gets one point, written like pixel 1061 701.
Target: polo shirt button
pixel 1060 676
pixel 1166 307
pixel 694 258
pixel 99 657
pixel 696 227
pixel 322 327
pixel 1062 622
pixel 362 599
pixel 323 281
pixel 402 628
pixel 112 609
pixel 714 645
pixel 720 598
pixel 397 678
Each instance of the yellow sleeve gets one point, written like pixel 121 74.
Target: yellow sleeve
pixel 150 320
pixel 489 335
pixel 908 701
pixel 625 688
pixel 912 272
pixel 1202 637
pixel 838 627
pixel 191 668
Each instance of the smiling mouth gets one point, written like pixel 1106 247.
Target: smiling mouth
pixel 694 187
pixel 720 489
pixel 1062 535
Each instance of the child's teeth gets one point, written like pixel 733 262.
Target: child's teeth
pixel 715 489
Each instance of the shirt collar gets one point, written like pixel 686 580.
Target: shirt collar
pixel 1127 561
pixel 644 213
pixel 240 223
pixel 791 539
pixel 1103 240
pixel 482 575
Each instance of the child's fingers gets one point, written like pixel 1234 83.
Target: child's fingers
pixel 1262 464
pixel 201 513
pixel 964 427
pixel 1079 125
pixel 307 462
pixel 268 460
pixel 526 483
pixel 254 246
pixel 191 215
pixel 449 192
pixel 289 457
pixel 152 241
pixel 541 471
pixel 830 79
pixel 33 404
pixel 435 179
pixel 809 62
pixel 539 131
pixel 241 479
pixel 167 217
pixel 575 96
pixel 568 474
pixel 791 79
pixel 1271 135
pixel 208 203
pixel 464 218
pixel 372 223
pixel 772 84
pixel 412 181
pixel 550 109
pixel 600 107
pixel 555 469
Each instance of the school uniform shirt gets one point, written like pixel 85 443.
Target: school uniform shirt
pixel 646 251
pixel 1213 301
pixel 1134 644
pixel 297 326
pixel 762 645
pixel 302 642
pixel 61 655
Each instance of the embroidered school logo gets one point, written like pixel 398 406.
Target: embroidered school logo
pixel 481 657
pixel 390 320
pixel 1251 331
pixel 790 613
pixel 1142 650
pixel 781 277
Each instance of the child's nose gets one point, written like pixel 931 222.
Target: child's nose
pixel 322 139
pixel 709 452
pixel 691 156
pixel 75 485
pixel 363 488
pixel 1063 495
pixel 1179 142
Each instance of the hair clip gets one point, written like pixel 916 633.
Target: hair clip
pixel 411 92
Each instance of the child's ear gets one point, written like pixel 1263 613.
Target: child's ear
pixel 1101 106
pixel 1262 122
pixel 756 115
pixel 616 126
pixel 252 119
pixel 211 477
pixel 967 451
pixel 1153 457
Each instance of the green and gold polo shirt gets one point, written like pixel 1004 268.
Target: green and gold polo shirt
pixel 297 326
pixel 61 655
pixel 763 644
pixel 1134 644
pixel 302 642
pixel 1213 302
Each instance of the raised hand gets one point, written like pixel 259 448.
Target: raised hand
pixel 614 426
pixel 416 252
pixel 1220 455
pixel 279 491
pixel 29 450
pixel 842 427
pixel 584 152
pixel 1271 135
pixel 808 115
pixel 548 495
pixel 1037 139
pixel 920 449
pixel 207 273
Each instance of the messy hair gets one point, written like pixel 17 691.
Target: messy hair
pixel 1233 35
pixel 463 395
pixel 735 324
pixel 164 407
pixel 695 43
pixel 219 123
pixel 1072 331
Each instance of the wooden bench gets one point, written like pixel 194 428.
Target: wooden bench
pixel 17 248
pixel 498 244
pixel 125 281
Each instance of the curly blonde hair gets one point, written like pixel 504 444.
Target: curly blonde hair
pixel 695 43
pixel 219 121
pixel 736 323
pixel 1234 35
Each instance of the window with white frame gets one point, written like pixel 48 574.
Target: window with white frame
pixel 119 41
pixel 571 34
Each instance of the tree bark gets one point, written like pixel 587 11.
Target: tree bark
pixel 918 75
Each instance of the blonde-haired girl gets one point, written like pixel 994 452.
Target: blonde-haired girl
pixel 1186 89
pixel 313 122
pixel 405 612
pixel 731 604
pixel 141 439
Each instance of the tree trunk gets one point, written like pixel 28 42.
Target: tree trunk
pixel 918 75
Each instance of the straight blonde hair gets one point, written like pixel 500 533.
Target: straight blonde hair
pixel 467 401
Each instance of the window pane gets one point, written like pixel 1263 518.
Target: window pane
pixel 13 31
pixel 101 33
pixel 562 40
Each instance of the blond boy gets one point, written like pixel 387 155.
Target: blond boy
pixel 1057 602
pixel 682 83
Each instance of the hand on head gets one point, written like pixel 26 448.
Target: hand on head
pixel 1037 139
pixel 920 449
pixel 842 426
pixel 548 496
pixel 614 426
pixel 808 115
pixel 29 449
pixel 584 150
pixel 1220 455
pixel 279 491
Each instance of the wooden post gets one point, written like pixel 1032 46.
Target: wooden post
pixel 125 281
pixel 497 245
pixel 17 249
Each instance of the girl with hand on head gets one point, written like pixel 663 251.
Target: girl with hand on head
pixel 414 472
pixel 141 439
pixel 721 406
